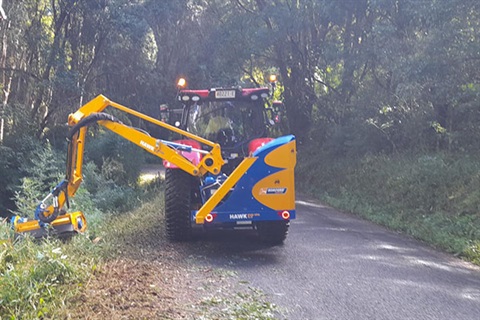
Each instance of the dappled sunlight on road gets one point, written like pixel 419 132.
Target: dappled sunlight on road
pixel 310 204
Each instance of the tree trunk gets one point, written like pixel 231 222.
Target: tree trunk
pixel 6 80
pixel 57 41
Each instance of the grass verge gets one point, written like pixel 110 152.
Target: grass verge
pixel 433 197
pixel 122 268
pixel 38 279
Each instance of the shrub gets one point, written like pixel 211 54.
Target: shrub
pixel 119 159
pixel 43 172
pixel 106 194
pixel 432 196
pixel 116 198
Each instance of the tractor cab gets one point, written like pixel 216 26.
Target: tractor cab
pixel 234 118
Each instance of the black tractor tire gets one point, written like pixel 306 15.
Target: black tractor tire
pixel 178 203
pixel 273 232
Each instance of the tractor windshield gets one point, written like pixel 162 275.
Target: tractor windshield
pixel 228 123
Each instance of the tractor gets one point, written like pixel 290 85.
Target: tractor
pixel 238 120
pixel 223 172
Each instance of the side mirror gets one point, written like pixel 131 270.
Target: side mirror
pixel 275 115
pixel 164 113
pixel 277 106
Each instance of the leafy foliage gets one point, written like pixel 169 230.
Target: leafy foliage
pixel 340 65
pixel 430 196
pixel 118 158
pixel 43 170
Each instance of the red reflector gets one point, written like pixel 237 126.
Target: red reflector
pixel 286 215
pixel 209 217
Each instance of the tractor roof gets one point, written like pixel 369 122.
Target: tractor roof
pixel 223 94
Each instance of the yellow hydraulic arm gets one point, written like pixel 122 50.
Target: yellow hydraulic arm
pixel 92 112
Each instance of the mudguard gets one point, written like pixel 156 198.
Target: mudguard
pixel 257 143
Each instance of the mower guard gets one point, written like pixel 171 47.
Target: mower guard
pixel 63 226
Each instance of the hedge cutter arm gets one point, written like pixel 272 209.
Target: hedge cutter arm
pixel 92 112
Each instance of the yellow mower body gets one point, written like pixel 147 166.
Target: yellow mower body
pixel 63 225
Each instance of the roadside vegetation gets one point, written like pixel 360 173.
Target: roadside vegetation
pixel 433 197
pixel 41 278
pixel 122 267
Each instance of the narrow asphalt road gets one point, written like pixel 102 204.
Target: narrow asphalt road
pixel 337 266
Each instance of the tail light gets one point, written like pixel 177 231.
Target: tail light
pixel 285 215
pixel 209 218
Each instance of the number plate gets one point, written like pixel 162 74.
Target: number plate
pixel 225 94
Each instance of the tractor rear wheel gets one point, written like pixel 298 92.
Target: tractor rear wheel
pixel 273 232
pixel 178 203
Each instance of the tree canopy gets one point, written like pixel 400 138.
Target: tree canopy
pixel 356 75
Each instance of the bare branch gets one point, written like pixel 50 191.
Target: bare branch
pixel 2 12
pixel 239 2
pixel 326 85
pixel 251 76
